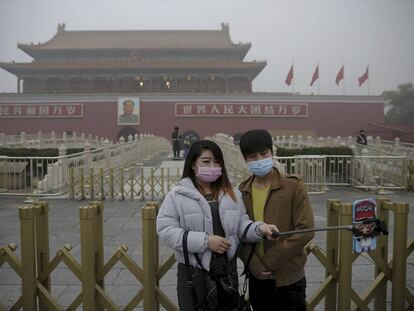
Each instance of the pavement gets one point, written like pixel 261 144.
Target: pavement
pixel 122 225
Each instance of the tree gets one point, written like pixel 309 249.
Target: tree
pixel 400 104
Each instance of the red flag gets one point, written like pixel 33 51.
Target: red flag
pixel 340 75
pixel 289 76
pixel 315 75
pixel 364 77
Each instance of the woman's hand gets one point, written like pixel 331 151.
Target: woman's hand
pixel 267 230
pixel 218 244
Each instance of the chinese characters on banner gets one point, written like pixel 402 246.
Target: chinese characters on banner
pixel 241 109
pixel 71 110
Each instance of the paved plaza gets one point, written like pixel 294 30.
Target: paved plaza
pixel 122 225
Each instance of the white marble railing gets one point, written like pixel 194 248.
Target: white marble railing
pixel 43 140
pixel 49 175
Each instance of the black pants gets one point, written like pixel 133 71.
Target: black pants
pixel 176 149
pixel 265 296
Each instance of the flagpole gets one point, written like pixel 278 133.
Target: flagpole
pixel 343 86
pixel 293 80
pixel 319 81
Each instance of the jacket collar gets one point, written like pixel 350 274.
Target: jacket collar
pixel 186 187
pixel 277 182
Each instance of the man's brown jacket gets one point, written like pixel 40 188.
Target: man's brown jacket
pixel 287 207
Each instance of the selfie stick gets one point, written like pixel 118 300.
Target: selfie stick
pixel 379 227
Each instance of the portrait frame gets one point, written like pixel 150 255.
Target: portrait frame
pixel 133 118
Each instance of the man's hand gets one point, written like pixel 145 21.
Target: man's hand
pixel 265 275
pixel 218 244
pixel 267 230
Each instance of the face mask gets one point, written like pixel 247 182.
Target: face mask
pixel 208 174
pixel 261 167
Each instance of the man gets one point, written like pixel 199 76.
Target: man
pixel 362 138
pixel 277 276
pixel 128 117
pixel 176 138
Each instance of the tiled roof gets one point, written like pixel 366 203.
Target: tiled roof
pixel 137 39
pixel 128 66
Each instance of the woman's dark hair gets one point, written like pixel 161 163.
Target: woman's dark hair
pixel 255 141
pixel 223 182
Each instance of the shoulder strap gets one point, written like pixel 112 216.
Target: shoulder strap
pixel 185 249
pixel 246 266
pixel 242 239
pixel 190 282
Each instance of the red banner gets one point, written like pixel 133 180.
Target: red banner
pixel 69 110
pixel 262 109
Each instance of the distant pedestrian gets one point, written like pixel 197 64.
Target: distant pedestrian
pixel 187 145
pixel 176 140
pixel 362 138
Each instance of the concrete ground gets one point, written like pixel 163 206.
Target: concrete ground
pixel 122 225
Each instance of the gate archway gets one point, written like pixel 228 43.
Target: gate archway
pixel 126 131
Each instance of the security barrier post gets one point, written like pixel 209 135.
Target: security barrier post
pixel 332 253
pixel 156 205
pixel 345 259
pixel 99 244
pixel 162 182
pixel 71 183
pixel 399 254
pixel 122 183
pixel 28 253
pixel 148 241
pixel 152 184
pixel 142 184
pixel 42 244
pixel 111 183
pixel 82 184
pixel 87 215
pixel 380 300
pixel 101 183
pixel 91 184
pixel 132 182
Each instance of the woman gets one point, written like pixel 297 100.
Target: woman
pixel 205 194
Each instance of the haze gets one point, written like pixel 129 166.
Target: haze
pixel 332 32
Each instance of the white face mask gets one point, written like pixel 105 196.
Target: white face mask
pixel 260 167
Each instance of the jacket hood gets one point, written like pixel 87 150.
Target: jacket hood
pixel 186 187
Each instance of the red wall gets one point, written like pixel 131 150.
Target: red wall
pixel 100 118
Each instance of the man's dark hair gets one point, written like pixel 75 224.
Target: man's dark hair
pixel 255 141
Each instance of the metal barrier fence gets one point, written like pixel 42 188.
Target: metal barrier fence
pixel 35 266
pixel 386 147
pixel 50 175
pixel 338 258
pixel 321 171
pixel 124 182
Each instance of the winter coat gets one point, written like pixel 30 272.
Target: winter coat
pixel 185 208
pixel 287 206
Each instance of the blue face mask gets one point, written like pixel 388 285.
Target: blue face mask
pixel 261 167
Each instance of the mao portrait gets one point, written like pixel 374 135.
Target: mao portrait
pixel 128 111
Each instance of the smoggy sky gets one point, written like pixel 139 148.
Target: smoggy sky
pixel 307 32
